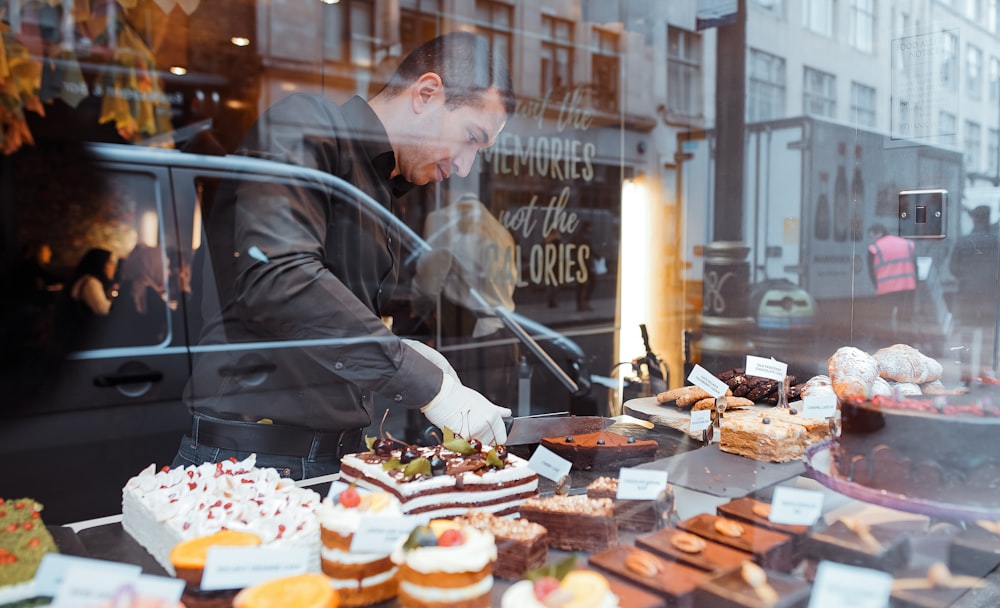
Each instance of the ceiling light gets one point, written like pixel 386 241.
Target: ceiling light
pixel 178 70
pixel 240 40
pixel 329 1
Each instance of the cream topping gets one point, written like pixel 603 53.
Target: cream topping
pixel 522 595
pixel 478 550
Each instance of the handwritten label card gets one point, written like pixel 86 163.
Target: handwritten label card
pixel 381 534
pixel 640 484
pixel 839 585
pixel 822 405
pixel 795 506
pixel 766 368
pixel 548 464
pixel 706 381
pixel 90 584
pixel 160 587
pixel 700 420
pixel 54 567
pixel 236 567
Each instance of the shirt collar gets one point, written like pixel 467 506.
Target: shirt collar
pixel 375 141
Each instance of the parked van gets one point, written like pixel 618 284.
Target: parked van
pixel 91 402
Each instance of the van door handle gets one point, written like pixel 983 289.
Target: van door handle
pixel 117 379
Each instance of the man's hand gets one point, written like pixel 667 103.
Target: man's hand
pixel 467 412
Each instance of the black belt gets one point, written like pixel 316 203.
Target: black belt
pixel 273 438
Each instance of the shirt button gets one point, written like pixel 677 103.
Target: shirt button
pixel 398 397
pixel 338 365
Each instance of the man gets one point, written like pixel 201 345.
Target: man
pixel 974 263
pixel 893 271
pixel 307 275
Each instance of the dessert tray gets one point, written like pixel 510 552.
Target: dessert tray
pixel 819 465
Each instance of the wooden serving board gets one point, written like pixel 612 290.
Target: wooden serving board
pixel 669 415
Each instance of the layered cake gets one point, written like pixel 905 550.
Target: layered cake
pixel 634 515
pixel 577 589
pixel 773 435
pixel 693 550
pixel 937 448
pixel 853 542
pixel 603 450
pixel 521 544
pixel 24 541
pixel 445 564
pixel 672 581
pixel 162 508
pixel 772 550
pixel 437 482
pixel 750 586
pixel 361 577
pixel 574 523
pixel 188 558
pixel 302 591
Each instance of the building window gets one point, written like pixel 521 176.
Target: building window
pixel 419 21
pixel 974 72
pixel 992 13
pixel 973 140
pixel 994 76
pixel 863 25
pixel 684 86
pixel 557 54
pixel 817 16
pixel 862 105
pixel 767 86
pixel 605 65
pixel 819 93
pixel 350 32
pixel 494 21
pixel 947 123
pixel 974 9
pixel 949 61
pixel 993 152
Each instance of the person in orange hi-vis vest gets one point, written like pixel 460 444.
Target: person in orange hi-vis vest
pixel 893 269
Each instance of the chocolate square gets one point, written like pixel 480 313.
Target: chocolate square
pixel 674 582
pixel 838 543
pixel 712 558
pixel 772 550
pixel 974 551
pixel 742 509
pixel 728 589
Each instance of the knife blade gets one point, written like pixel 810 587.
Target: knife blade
pixel 526 430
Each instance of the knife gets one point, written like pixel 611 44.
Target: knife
pixel 526 430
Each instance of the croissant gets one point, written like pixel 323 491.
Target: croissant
pixel 852 373
pixel 903 363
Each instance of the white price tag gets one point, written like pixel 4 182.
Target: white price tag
pixel 700 420
pixel 237 567
pixel 839 585
pixel 822 405
pixel 766 368
pixel 90 584
pixel 795 506
pixel 706 381
pixel 160 587
pixel 548 464
pixel 381 534
pixel 54 567
pixel 640 484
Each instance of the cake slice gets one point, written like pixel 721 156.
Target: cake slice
pixel 848 541
pixel 750 586
pixel 574 523
pixel 762 436
pixel 673 581
pixel 757 513
pixel 975 550
pixel 521 544
pixel 772 550
pixel 633 515
pixel 302 591
pixel 603 450
pixel 692 550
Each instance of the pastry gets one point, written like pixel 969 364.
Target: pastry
pixel 603 450
pixel 574 523
pixel 903 363
pixel 691 549
pixel 852 373
pixel 521 544
pixel 772 550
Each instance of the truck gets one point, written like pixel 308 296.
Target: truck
pixel 812 189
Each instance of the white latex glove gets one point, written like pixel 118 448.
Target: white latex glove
pixel 467 412
pixel 433 356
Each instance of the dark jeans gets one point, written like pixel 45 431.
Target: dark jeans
pixel 295 467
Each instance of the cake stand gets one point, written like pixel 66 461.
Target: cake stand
pixel 819 465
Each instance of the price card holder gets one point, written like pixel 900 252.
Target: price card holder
pixel 640 484
pixel 382 534
pixel 839 585
pixel 700 420
pixel 54 567
pixel 548 464
pixel 795 506
pixel 822 405
pixel 766 368
pixel 706 381
pixel 237 567
pixel 84 585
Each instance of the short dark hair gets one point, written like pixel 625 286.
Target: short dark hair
pixel 878 230
pixel 467 67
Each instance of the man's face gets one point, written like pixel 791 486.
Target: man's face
pixel 444 142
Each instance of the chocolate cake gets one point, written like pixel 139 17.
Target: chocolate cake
pixel 938 448
pixel 772 550
pixel 521 544
pixel 632 515
pixel 935 587
pixel 574 523
pixel 731 589
pixel 975 550
pixel 673 581
pixel 603 450
pixel 676 545
pixel 881 547
pixel 753 511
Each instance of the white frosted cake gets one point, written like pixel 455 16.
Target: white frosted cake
pixel 445 564
pixel 450 484
pixel 162 508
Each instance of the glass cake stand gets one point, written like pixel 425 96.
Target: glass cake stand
pixel 819 465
